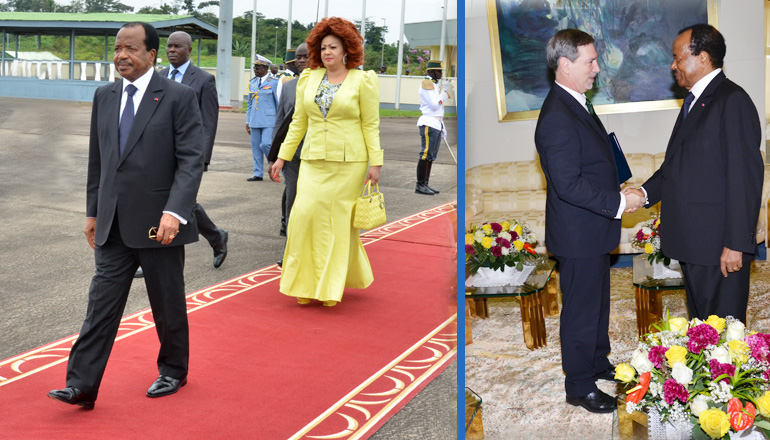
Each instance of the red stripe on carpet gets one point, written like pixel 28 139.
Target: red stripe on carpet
pixel 263 366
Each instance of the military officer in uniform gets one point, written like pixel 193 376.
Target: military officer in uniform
pixel 260 116
pixel 431 124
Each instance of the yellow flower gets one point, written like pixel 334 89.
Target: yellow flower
pixel 763 404
pixel 716 322
pixel 487 229
pixel 469 239
pixel 625 373
pixel 675 354
pixel 506 225
pixel 518 229
pixel 486 242
pixel 518 245
pixel 714 422
pixel 649 248
pixel 678 325
pixel 739 351
pixel 656 223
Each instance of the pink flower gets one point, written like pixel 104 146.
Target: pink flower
pixel 640 235
pixel 496 251
pixel 514 236
pixel 673 390
pixel 657 355
pixel 496 228
pixel 420 60
pixel 503 242
pixel 469 249
pixel 759 346
pixel 413 51
pixel 701 336
pixel 718 369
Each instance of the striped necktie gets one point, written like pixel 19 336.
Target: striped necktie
pixel 592 112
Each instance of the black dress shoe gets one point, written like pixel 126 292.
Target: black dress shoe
pixel 280 263
pixel 73 396
pixel 422 189
pixel 220 250
pixel 165 385
pixel 139 273
pixel 608 374
pixel 254 179
pixel 595 402
pixel 435 191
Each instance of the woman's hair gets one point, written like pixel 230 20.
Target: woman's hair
pixel 352 42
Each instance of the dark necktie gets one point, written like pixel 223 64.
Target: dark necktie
pixel 686 106
pixel 173 74
pixel 592 112
pixel 127 119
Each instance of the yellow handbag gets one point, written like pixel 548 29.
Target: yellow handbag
pixel 370 208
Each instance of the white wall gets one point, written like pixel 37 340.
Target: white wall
pixel 489 141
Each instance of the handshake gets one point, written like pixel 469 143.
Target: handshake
pixel 635 199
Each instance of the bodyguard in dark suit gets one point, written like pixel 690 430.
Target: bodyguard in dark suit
pixel 282 121
pixel 710 182
pixel 144 167
pixel 583 210
pixel 178 50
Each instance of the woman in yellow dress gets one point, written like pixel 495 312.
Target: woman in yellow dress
pixel 337 111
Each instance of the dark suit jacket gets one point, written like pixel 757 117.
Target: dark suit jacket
pixel 710 182
pixel 283 120
pixel 160 169
pixel 208 101
pixel 583 193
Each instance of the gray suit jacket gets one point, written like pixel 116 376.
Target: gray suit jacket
pixel 205 88
pixel 160 169
pixel 286 109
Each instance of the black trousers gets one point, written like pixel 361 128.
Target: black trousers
pixel 115 267
pixel 710 293
pixel 585 316
pixel 206 227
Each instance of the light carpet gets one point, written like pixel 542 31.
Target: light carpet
pixel 523 391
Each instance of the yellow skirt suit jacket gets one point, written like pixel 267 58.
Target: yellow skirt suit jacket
pixel 324 254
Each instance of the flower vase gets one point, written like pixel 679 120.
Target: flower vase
pixel 661 271
pixel 657 430
pixel 487 277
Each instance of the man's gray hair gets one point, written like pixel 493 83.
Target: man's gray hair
pixel 565 44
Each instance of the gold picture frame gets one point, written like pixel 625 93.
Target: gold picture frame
pixel 506 115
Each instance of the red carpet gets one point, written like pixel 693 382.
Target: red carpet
pixel 261 366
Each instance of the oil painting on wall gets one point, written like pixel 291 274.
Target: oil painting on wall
pixel 633 39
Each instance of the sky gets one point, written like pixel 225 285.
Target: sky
pixel 304 11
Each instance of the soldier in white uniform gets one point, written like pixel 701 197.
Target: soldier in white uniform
pixel 431 124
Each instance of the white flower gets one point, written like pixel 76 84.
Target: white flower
pixel 505 251
pixel 641 362
pixel 695 322
pixel 699 403
pixel 735 331
pixel 505 235
pixel 646 230
pixel 532 238
pixel 479 235
pixel 682 373
pixel 721 354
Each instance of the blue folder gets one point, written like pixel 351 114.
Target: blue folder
pixel 624 172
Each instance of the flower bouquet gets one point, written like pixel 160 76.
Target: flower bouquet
pixel 713 376
pixel 648 238
pixel 493 247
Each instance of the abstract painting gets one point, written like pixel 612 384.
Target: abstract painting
pixel 633 39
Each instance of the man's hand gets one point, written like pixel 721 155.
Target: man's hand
pixel 634 199
pixel 169 227
pixel 90 231
pixel 731 261
pixel 374 174
pixel 248 129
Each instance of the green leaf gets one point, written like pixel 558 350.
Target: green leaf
pixel 764 424
pixel 697 432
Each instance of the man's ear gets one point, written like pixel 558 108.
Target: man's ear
pixel 564 64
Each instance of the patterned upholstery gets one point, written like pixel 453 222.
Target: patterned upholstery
pixel 516 190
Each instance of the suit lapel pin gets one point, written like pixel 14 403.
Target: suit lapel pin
pixel 156 99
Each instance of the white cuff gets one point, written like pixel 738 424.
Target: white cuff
pixel 181 220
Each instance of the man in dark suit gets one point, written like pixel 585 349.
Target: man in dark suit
pixel 583 209
pixel 178 50
pixel 282 121
pixel 144 168
pixel 710 183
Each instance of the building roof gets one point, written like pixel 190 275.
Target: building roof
pixel 54 23
pixel 428 33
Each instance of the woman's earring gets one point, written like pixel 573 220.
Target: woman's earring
pixel 345 59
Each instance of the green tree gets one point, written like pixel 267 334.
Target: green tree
pixel 33 5
pixel 107 6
